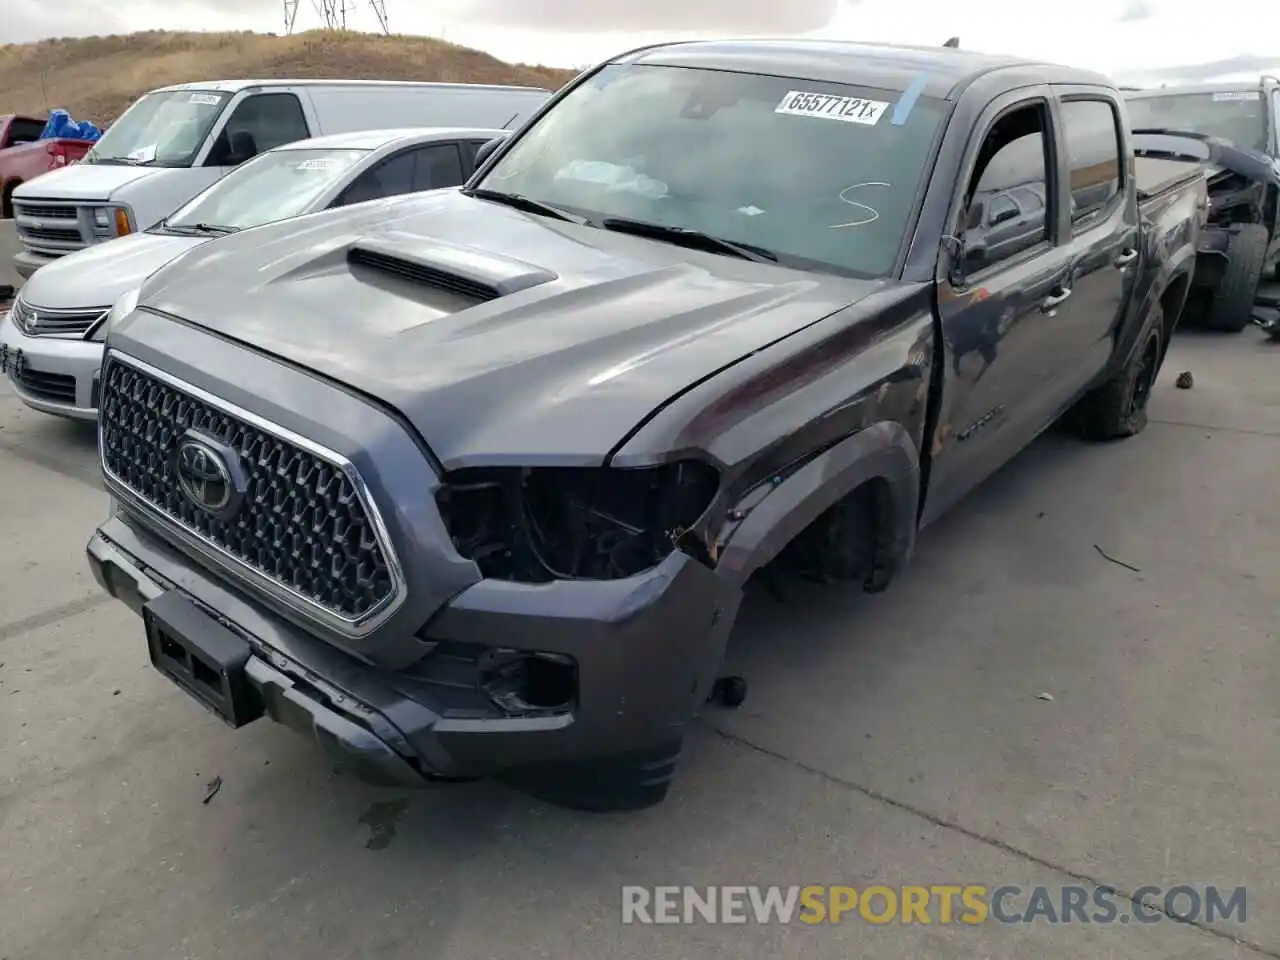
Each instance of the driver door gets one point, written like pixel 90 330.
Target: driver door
pixel 995 298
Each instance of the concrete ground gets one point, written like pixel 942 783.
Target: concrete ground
pixel 896 739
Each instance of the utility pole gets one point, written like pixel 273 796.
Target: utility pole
pixel 333 13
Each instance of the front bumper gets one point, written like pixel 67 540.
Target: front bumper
pixel 26 263
pixel 646 653
pixel 57 376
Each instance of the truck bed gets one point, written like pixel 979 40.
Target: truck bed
pixel 1156 176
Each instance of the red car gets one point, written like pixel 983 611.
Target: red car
pixel 24 156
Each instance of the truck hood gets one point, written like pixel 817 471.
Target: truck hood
pixel 581 335
pixel 85 181
pixel 96 276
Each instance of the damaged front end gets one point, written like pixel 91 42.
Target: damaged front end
pixel 540 524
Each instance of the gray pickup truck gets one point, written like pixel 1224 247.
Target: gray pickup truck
pixel 470 483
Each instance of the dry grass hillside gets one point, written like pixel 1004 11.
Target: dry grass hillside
pixel 96 78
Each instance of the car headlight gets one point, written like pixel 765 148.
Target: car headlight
pixel 574 523
pixel 111 221
pixel 123 306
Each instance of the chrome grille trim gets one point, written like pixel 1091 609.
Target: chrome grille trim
pixel 282 596
pixel 60 324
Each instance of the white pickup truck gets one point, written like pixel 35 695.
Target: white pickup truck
pixel 175 141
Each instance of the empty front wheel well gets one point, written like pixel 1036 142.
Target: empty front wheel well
pixel 852 540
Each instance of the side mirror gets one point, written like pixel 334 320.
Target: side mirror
pixel 486 150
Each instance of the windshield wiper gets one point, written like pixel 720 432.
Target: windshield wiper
pixel 525 203
pixel 209 228
pixel 690 238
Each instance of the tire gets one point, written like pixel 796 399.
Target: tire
pixel 6 199
pixel 1232 308
pixel 626 782
pixel 1118 408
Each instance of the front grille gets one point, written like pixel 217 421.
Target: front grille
pixel 42 212
pixel 52 234
pixel 39 322
pixel 301 525
pixel 56 387
pixel 49 227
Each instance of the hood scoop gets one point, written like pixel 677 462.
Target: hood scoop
pixel 463 271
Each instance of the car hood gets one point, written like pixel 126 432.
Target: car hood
pixel 589 332
pixel 96 276
pixel 84 181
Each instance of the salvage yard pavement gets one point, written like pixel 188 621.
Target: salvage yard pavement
pixel 1015 711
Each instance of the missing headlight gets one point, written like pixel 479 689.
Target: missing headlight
pixel 573 523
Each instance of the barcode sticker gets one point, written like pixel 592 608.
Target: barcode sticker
pixel 205 99
pixel 318 163
pixel 801 103
pixel 1236 95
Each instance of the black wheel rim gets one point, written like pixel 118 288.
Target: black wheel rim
pixel 1145 376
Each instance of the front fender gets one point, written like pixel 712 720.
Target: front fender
pixel 883 451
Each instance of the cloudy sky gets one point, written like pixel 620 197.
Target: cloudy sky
pixel 1135 39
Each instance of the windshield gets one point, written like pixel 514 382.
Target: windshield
pixel 273 186
pixel 161 129
pixel 822 175
pixel 1234 115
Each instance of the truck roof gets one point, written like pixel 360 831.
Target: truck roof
pixel 946 71
pixel 235 86
pixel 1221 86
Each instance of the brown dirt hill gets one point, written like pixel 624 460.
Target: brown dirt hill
pixel 96 78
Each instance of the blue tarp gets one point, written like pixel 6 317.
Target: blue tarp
pixel 62 127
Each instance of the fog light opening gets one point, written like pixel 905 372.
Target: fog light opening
pixel 526 681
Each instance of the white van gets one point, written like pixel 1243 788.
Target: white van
pixel 176 141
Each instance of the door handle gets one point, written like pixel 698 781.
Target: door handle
pixel 1051 303
pixel 1126 258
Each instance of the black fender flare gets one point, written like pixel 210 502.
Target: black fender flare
pixel 883 450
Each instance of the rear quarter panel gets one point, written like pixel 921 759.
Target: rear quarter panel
pixel 1172 223
pixel 25 162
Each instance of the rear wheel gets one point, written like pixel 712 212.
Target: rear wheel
pixel 1232 307
pixel 1118 408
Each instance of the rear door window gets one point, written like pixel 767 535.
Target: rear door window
pixel 1093 156
pixel 387 179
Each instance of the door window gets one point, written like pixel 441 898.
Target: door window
pixel 438 165
pixel 1093 156
pixel 388 179
pixel 1013 160
pixel 469 150
pixel 260 123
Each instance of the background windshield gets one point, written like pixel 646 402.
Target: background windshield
pixel 274 186
pixel 161 129
pixel 1234 116
pixel 819 173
